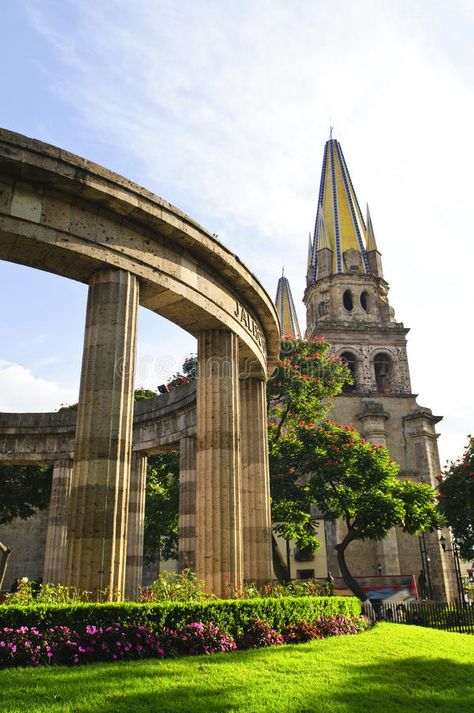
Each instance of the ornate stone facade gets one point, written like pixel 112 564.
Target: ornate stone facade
pixel 347 302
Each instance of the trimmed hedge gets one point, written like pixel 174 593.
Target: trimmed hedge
pixel 231 615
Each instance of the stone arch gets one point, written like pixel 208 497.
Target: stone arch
pixel 66 215
pixel 350 359
pixel 383 372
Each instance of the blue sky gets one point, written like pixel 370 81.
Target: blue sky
pixel 223 108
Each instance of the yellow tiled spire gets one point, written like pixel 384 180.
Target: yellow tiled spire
pixel 339 222
pixel 286 309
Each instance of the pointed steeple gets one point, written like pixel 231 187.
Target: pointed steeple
pixel 286 309
pixel 340 226
pixel 373 255
pixel 371 244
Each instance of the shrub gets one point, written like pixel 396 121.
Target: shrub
pixel 299 633
pixel 300 588
pixel 30 593
pixel 29 646
pixel 339 625
pixel 231 616
pixel 181 587
pixel 258 634
pixel 196 638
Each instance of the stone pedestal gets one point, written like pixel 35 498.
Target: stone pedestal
pixel 187 504
pixel 218 482
pixel 136 526
pixel 256 515
pixel 56 537
pixel 97 527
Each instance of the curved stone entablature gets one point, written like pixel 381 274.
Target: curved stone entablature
pixel 45 438
pixel 66 215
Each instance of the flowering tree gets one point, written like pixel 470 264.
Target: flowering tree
pixel 306 377
pixel 353 481
pixel 187 373
pixel 456 499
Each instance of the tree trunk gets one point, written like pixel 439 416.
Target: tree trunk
pixel 346 575
pixel 279 566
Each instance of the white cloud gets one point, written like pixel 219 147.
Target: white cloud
pixel 21 390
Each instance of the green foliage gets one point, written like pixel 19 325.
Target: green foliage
pixel 176 587
pixel 142 394
pixel 230 615
pixel 297 588
pixel 306 377
pixel 355 481
pixel 456 499
pixel 161 507
pixel 31 593
pixel 23 490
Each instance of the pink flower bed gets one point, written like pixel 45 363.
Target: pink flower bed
pixel 28 646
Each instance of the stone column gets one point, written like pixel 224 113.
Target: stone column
pixel 373 421
pixel 187 504
pixel 421 438
pixel 97 526
pixel 56 536
pixel 256 515
pixel 218 486
pixel 136 526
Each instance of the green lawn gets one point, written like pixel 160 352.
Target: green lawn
pixel 393 668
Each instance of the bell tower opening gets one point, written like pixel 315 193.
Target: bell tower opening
pixel 383 373
pixel 351 362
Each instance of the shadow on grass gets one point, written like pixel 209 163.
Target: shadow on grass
pixel 294 680
pixel 412 685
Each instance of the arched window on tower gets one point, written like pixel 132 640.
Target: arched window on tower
pixel 351 361
pixel 347 300
pixel 383 373
pixel 364 301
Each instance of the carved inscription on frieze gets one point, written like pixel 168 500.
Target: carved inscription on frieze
pixel 251 325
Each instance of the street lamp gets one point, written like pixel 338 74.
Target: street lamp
pixel 457 565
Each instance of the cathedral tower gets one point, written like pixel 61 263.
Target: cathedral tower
pixel 346 301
